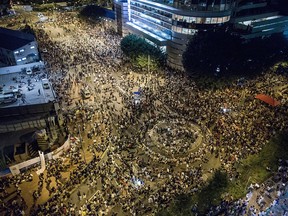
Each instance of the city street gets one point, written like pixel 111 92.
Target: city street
pixel 133 159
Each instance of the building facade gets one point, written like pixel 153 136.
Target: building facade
pixel 170 24
pixel 17 48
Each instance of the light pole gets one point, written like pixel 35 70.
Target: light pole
pixel 148 63
pixel 81 143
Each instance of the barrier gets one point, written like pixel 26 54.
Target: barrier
pixel 18 68
pixel 17 168
pixel 43 165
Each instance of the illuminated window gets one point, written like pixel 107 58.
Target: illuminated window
pixel 22 50
pixel 192 19
pixel 208 20
pixel 32 47
pixel 226 19
pixel 23 58
pixel 220 20
pixel 19 60
pixel 214 20
pixel 185 18
pixel 16 52
pixel 185 31
pixel 199 20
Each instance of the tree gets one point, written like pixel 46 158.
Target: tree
pixel 138 49
pixel 144 62
pixel 213 50
pixel 93 11
pixel 211 194
pixel 133 46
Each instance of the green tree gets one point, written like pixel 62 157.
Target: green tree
pixel 144 62
pixel 211 194
pixel 138 49
pixel 133 46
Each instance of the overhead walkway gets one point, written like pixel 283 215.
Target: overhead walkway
pixel 262 27
pixel 155 38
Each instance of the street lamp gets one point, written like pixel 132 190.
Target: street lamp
pixel 81 143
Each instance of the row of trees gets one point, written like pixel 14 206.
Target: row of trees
pixel 214 52
pixel 141 52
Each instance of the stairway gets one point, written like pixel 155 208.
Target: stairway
pixel 33 149
pixel 2 162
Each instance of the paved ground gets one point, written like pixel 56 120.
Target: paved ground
pixel 28 188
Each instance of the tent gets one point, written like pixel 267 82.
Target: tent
pixel 267 99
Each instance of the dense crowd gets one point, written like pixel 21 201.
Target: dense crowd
pixel 132 177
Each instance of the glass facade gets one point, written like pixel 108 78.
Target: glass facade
pixel 174 21
pixel 162 21
pixel 198 5
pixel 204 5
pixel 187 24
pixel 150 18
pixel 171 23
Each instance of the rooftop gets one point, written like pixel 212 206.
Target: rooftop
pixel 30 86
pixel 12 39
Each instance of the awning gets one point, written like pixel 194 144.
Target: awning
pixel 267 99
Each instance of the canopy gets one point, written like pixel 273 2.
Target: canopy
pixel 267 99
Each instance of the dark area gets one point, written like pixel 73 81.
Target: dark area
pixel 96 12
pixel 4 7
pixel 27 29
pixel 20 149
pixel 220 53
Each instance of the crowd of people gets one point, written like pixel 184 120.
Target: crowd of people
pixel 132 177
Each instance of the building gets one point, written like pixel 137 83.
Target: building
pixel 29 116
pixel 17 48
pixel 170 24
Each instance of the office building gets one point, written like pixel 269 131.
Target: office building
pixel 170 24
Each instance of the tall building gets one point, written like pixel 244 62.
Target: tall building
pixel 170 24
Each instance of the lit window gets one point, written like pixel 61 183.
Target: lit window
pixel 23 58
pixel 226 19
pixel 192 19
pixel 18 60
pixel 220 20
pixel 199 20
pixel 16 52
pixel 208 20
pixel 22 50
pixel 185 31
pixel 214 20
pixel 32 47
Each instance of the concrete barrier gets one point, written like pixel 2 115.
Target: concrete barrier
pixel 16 169
pixel 18 68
